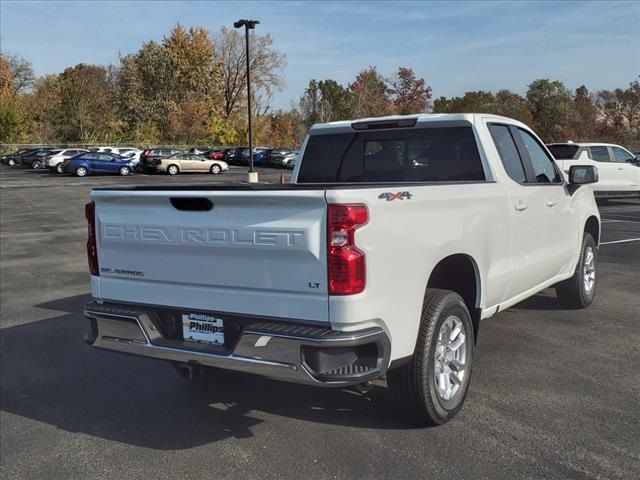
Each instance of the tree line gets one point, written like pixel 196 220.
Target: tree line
pixel 190 88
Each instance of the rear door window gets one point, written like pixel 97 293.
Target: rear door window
pixel 508 152
pixel 438 154
pixel 600 154
pixel 563 152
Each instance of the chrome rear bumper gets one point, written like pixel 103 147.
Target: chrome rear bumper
pixel 286 351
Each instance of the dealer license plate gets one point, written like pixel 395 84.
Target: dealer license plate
pixel 200 327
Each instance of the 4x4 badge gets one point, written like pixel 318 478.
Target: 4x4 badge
pixel 390 196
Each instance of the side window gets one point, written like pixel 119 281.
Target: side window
pixel 600 154
pixel 620 155
pixel 543 166
pixel 104 157
pixel 90 156
pixel 508 152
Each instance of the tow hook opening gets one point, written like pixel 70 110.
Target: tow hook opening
pixel 189 371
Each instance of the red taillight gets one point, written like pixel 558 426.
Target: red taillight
pixel 146 153
pixel 92 249
pixel 346 262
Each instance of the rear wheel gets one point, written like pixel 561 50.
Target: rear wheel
pixel 60 168
pixel 172 170
pixel 81 172
pixel 12 162
pixel 36 164
pixel 580 290
pixel 124 171
pixel 432 387
pixel 215 169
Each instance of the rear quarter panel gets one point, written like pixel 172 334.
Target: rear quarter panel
pixel 405 239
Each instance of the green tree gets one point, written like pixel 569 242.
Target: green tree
pixel 551 107
pixel 512 105
pixel 87 105
pixel 471 102
pixel 325 101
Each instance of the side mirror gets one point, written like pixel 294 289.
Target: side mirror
pixel 582 175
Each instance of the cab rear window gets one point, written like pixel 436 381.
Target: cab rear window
pixel 442 154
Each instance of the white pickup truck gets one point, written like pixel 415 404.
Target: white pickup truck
pixel 395 238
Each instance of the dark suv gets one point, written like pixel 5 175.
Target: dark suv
pixel 150 155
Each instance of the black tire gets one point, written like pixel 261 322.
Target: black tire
pixel 124 171
pixel 414 383
pixel 82 172
pixel 173 169
pixel 60 168
pixel 11 162
pixel 216 169
pixel 573 293
pixel 36 164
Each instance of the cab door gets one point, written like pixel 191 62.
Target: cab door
pixel 559 232
pixel 626 171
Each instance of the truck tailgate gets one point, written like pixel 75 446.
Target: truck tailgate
pixel 254 252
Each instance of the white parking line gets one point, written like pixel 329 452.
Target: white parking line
pixel 621 241
pixel 612 220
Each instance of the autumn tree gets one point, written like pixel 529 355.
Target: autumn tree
pixel 371 94
pixel 16 77
pixel 409 94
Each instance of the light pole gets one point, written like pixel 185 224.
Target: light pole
pixel 252 177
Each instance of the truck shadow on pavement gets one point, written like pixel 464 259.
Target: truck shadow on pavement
pixel 50 375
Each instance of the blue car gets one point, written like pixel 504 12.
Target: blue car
pixel 260 155
pixel 98 162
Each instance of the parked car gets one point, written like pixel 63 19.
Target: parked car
pixel 283 161
pixel 214 154
pixel 34 158
pixel 230 155
pixel 132 154
pixel 150 155
pixel 367 265
pixel 275 154
pixel 10 159
pixel 189 162
pixel 199 150
pixel 55 160
pixel 98 162
pixel 618 168
pixel 260 155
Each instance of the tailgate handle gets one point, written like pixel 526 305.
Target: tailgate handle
pixel 192 204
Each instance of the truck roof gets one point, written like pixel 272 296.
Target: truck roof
pixel 586 144
pixel 421 118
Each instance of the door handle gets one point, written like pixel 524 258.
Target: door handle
pixel 521 206
pixel 620 168
pixel 551 203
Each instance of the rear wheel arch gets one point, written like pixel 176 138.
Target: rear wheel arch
pixel 460 273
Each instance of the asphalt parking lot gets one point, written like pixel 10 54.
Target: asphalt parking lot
pixel 555 393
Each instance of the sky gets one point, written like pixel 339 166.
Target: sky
pixel 455 46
